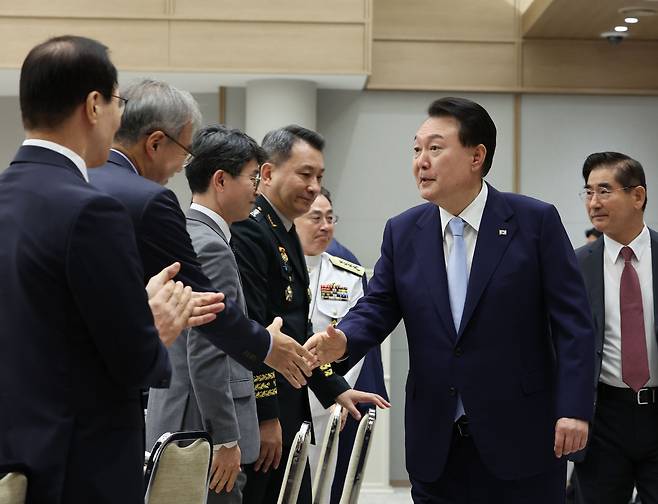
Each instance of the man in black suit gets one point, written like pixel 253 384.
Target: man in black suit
pixel 77 337
pixel 621 275
pixel 276 284
pixel 150 146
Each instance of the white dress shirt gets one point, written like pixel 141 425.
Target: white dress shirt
pixel 613 265
pixel 60 149
pixel 472 216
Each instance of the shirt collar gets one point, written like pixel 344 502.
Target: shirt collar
pixel 471 215
pixel 287 223
pixel 639 245
pixel 60 149
pixel 132 165
pixel 218 219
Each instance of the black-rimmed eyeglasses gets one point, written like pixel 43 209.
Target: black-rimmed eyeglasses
pixel 186 149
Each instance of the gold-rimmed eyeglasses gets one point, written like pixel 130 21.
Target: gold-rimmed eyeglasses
pixel 122 101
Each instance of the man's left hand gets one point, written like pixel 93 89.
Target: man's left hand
pixel 350 398
pixel 570 436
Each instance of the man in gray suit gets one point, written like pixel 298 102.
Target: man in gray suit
pixel 209 390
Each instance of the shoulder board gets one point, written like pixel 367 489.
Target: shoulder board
pixel 256 213
pixel 346 265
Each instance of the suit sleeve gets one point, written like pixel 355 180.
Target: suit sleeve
pixel 570 320
pixel 378 312
pixel 253 262
pixel 210 367
pixel 164 240
pixel 105 274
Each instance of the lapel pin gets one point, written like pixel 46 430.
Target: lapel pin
pixel 502 232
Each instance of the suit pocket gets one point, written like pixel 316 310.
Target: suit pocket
pixel 242 388
pixel 534 382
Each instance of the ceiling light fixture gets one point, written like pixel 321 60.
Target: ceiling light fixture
pixel 631 20
pixel 621 29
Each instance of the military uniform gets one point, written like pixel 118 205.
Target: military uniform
pixel 275 282
pixel 336 285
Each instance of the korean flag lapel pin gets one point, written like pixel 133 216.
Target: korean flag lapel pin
pixel 502 232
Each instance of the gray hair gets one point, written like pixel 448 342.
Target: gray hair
pixel 155 105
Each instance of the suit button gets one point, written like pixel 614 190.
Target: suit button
pixel 599 352
pixel 453 391
pixel 459 351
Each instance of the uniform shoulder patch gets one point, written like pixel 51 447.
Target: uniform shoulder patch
pixel 346 265
pixel 256 213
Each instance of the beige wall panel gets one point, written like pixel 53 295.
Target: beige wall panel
pixel 133 44
pixel 267 10
pixel 268 47
pixel 590 65
pixel 443 65
pixel 444 19
pixel 84 8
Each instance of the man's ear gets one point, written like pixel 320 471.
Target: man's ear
pixel 153 142
pixel 479 155
pixel 266 173
pixel 640 196
pixel 92 106
pixel 217 180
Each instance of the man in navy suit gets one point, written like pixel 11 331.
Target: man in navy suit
pixel 150 146
pixel 499 329
pixel 77 337
pixel 621 276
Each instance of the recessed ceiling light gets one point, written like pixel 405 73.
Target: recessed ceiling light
pixel 621 28
pixel 631 20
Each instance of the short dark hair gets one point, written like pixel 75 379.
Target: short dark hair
pixel 628 171
pixel 58 75
pixel 325 192
pixel 217 147
pixel 593 232
pixel 475 124
pixel 278 143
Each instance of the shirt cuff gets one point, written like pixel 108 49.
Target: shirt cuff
pixel 230 444
pixel 269 350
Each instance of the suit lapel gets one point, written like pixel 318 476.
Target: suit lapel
pixel 497 229
pixel 592 266
pixel 201 217
pixel 428 244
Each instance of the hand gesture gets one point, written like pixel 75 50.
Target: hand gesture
pixel 327 346
pixel 288 357
pixel 206 305
pixel 170 304
pixel 350 398
pixel 224 468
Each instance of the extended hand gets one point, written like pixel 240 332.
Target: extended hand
pixel 224 469
pixel 350 398
pixel 271 445
pixel 327 346
pixel 170 303
pixel 206 305
pixel 288 357
pixel 570 436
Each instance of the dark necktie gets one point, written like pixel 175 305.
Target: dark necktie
pixel 634 360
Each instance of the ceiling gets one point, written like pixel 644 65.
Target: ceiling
pixel 586 19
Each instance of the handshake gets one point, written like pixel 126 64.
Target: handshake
pixel 176 307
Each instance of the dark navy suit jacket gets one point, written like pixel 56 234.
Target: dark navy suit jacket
pixel 162 238
pixel 523 356
pixel 77 340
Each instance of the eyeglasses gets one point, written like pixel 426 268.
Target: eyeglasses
pixel 186 149
pixel 318 218
pixel 602 193
pixel 122 101
pixel 255 179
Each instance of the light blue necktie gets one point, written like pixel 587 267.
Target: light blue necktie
pixel 457 281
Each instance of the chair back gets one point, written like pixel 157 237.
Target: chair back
pixel 177 470
pixel 358 458
pixel 329 446
pixel 13 488
pixel 292 478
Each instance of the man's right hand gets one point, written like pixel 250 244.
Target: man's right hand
pixel 271 445
pixel 288 357
pixel 327 346
pixel 224 469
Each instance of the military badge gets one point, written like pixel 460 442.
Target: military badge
pixel 288 294
pixel 269 218
pixel 308 294
pixel 284 254
pixel 333 292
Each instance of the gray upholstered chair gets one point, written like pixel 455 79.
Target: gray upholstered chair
pixel 358 459
pixel 177 470
pixel 13 488
pixel 321 484
pixel 292 478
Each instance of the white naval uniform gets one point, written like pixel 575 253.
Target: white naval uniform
pixel 335 286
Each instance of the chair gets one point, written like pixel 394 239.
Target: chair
pixel 292 478
pixel 321 484
pixel 13 488
pixel 177 470
pixel 358 458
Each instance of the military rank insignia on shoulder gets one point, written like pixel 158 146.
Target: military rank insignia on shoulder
pixel 343 264
pixel 255 212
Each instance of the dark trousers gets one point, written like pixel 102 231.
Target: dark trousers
pixel 622 453
pixel 466 480
pixel 264 488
